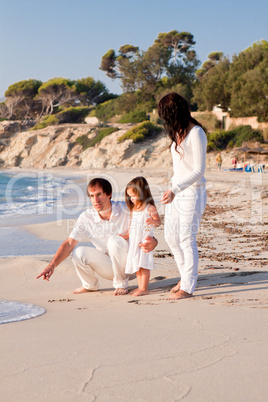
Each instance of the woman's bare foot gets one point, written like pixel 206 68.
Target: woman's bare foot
pixel 81 290
pixel 140 292
pixel 120 292
pixel 176 288
pixel 180 295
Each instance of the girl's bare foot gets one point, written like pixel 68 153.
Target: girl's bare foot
pixel 120 292
pixel 176 288
pixel 140 292
pixel 180 295
pixel 133 291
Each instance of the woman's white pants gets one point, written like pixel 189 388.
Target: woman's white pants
pixel 111 265
pixel 182 220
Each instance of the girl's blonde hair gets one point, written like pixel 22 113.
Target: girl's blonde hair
pixel 141 189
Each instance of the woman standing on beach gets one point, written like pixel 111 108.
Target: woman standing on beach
pixel 186 198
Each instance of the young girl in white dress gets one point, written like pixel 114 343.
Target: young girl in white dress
pixel 144 217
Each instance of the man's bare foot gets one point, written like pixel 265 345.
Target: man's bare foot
pixel 81 290
pixel 180 295
pixel 140 292
pixel 176 288
pixel 120 292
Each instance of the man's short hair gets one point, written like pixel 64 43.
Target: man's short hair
pixel 104 184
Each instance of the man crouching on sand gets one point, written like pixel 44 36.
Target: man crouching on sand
pixel 101 225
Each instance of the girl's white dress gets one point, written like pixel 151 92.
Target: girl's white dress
pixel 139 229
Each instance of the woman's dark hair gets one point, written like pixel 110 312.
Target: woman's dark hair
pixel 141 189
pixel 104 184
pixel 175 112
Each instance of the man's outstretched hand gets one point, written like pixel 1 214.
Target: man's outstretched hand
pixel 63 252
pixel 46 273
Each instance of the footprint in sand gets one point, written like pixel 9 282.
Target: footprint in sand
pixel 59 300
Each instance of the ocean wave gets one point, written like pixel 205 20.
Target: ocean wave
pixel 33 193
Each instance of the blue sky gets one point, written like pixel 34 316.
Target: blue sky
pixel 53 38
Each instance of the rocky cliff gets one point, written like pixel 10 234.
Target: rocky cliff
pixel 56 146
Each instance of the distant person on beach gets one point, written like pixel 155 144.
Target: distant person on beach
pixel 186 199
pixel 219 161
pixel 234 162
pixel 144 217
pixel 101 225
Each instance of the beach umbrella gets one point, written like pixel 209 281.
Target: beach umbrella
pixel 256 151
pixel 243 149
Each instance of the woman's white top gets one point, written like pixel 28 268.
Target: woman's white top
pixel 190 164
pixel 138 230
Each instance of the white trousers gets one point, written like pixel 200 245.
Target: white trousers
pixel 182 220
pixel 89 260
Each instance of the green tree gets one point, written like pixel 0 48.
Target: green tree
pixel 240 86
pixel 211 87
pixel 153 66
pixel 124 66
pixel 91 92
pixel 108 64
pixel 20 97
pixel 183 61
pixel 178 42
pixel 248 82
pixel 213 59
pixel 56 92
pixel 171 55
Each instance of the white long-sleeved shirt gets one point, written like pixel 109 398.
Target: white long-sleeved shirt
pixel 189 165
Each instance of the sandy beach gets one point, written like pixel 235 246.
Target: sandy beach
pixel 98 347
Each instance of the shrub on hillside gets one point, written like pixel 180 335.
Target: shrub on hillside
pixel 70 115
pixel 245 133
pixel 218 140
pixel 141 132
pixel 91 142
pixel 73 115
pixel 105 111
pixel 134 117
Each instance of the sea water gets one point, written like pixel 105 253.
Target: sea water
pixel 11 311
pixel 29 193
pixel 37 197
